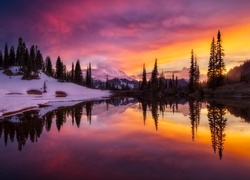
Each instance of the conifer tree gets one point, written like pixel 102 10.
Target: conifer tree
pixel 1 59
pixel 192 73
pixel 20 53
pixel 220 60
pixel 6 56
pixel 59 68
pixel 72 72
pixel 89 76
pixel 154 79
pixel 12 56
pixel 78 73
pixel 216 66
pixel 48 66
pixel 39 60
pixel 144 79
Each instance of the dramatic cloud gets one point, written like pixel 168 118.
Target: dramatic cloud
pixel 126 34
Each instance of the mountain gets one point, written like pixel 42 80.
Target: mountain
pixel 239 73
pixel 103 73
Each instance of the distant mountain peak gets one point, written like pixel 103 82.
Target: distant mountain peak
pixel 101 73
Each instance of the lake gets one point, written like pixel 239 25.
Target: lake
pixel 125 138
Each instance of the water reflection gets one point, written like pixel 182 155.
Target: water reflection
pixel 30 125
pixel 217 123
pixel 127 139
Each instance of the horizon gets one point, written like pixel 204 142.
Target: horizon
pixel 125 35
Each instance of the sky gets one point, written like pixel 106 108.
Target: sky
pixel 125 34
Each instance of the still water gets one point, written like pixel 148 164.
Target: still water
pixel 127 139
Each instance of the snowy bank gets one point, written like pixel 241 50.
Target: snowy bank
pixel 14 97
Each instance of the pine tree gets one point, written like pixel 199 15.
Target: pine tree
pixel 12 56
pixel 39 60
pixel 192 73
pixel 20 53
pixel 144 79
pixel 1 59
pixel 89 76
pixel 216 66
pixel 72 72
pixel 162 82
pixel 197 75
pixel 32 59
pixel 220 60
pixel 59 69
pixel 78 73
pixel 6 56
pixel 154 79
pixel 48 66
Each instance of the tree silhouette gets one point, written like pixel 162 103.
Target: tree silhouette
pixel 144 79
pixel 78 73
pixel 217 124
pixel 194 116
pixel 154 79
pixel 216 66
pixel 1 59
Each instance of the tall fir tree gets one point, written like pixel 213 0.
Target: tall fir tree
pixel 39 60
pixel 6 56
pixel 211 66
pixel 220 60
pixel 154 79
pixel 12 56
pixel 144 79
pixel 20 53
pixel 216 66
pixel 192 73
pixel 48 66
pixel 78 73
pixel 72 72
pixel 59 69
pixel 197 75
pixel 1 59
pixel 89 76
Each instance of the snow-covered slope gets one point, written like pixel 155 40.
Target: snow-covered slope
pixel 14 97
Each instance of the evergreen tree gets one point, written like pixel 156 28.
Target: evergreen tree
pixel 220 60
pixel 211 66
pixel 154 79
pixel 59 69
pixel 89 76
pixel 216 66
pixel 192 73
pixel 78 73
pixel 48 66
pixel 162 83
pixel 72 72
pixel 20 53
pixel 197 75
pixel 32 58
pixel 1 59
pixel 39 60
pixel 144 79
pixel 12 56
pixel 6 56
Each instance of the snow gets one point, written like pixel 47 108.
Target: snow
pixel 101 74
pixel 13 95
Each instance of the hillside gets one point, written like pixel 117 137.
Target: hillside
pixel 239 73
pixel 14 97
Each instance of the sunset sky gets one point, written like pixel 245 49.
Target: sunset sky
pixel 124 34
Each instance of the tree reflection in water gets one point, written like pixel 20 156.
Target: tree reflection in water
pixel 217 123
pixel 29 125
pixel 194 116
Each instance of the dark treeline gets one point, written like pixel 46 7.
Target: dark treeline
pixel 31 61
